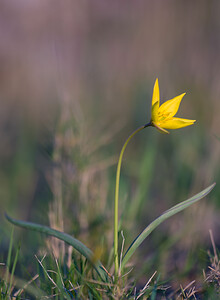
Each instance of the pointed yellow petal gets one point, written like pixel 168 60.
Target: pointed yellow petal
pixel 156 93
pixel 171 106
pixel 154 112
pixel 176 123
pixel 162 130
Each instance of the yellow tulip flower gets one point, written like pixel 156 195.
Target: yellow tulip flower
pixel 162 117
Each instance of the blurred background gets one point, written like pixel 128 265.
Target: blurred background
pixel 76 79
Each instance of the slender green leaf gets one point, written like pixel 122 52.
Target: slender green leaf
pixel 167 214
pixel 79 246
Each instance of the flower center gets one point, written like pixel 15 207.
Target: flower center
pixel 163 116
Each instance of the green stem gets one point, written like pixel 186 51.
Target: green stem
pixel 116 197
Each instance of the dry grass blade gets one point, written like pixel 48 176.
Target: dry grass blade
pixel 20 291
pixel 183 290
pixel 121 255
pixel 214 273
pixel 146 286
pixel 51 279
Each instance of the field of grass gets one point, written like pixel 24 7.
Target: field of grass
pixel 78 84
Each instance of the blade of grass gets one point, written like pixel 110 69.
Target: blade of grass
pixel 79 246
pixel 154 292
pixel 167 214
pixel 9 256
pixel 63 288
pixel 13 269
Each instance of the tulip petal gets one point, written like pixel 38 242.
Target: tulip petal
pixel 176 123
pixel 154 112
pixel 156 93
pixel 162 130
pixel 171 106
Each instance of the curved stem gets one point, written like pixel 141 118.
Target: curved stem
pixel 116 197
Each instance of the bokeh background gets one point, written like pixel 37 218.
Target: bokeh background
pixel 76 79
